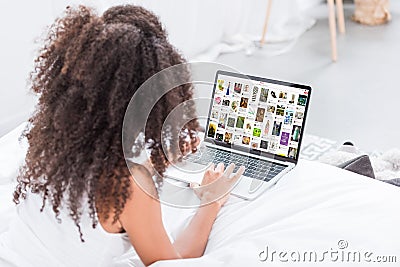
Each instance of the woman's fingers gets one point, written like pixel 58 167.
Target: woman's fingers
pixel 209 174
pixel 216 187
pixel 212 167
pixel 229 170
pixel 195 144
pixel 185 149
pixel 190 145
pixel 238 174
pixel 220 168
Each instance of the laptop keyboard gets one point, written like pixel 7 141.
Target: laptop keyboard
pixel 255 168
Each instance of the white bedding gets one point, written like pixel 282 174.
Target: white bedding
pixel 309 211
pixel 12 153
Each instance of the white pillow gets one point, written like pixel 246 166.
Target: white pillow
pixel 12 154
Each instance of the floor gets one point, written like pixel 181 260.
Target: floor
pixel 356 98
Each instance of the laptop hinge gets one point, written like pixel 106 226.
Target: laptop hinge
pixel 252 155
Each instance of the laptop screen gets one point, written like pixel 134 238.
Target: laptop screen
pixel 258 115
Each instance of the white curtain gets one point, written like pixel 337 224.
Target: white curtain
pixel 197 27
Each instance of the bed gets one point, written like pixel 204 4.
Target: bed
pixel 315 215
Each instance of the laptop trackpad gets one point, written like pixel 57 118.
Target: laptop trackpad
pixel 246 189
pixel 255 185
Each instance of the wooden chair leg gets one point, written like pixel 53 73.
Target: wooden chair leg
pixel 262 41
pixel 340 16
pixel 332 26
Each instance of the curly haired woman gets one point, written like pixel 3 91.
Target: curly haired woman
pixel 78 203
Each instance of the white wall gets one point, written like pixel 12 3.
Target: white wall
pixel 305 4
pixel 20 23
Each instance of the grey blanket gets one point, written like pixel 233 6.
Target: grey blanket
pixel 362 165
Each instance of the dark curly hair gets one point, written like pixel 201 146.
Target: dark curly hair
pixel 86 73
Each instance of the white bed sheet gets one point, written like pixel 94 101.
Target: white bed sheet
pixel 310 210
pixel 12 154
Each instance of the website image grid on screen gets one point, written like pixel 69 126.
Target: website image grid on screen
pixel 258 114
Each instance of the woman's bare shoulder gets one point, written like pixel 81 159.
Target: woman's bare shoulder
pixel 143 179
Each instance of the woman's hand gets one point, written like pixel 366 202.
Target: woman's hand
pixel 188 142
pixel 217 184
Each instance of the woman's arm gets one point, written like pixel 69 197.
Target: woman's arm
pixel 213 193
pixel 192 241
pixel 142 220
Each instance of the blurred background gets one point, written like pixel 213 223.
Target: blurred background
pixel 354 98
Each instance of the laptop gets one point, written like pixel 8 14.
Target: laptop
pixel 254 122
